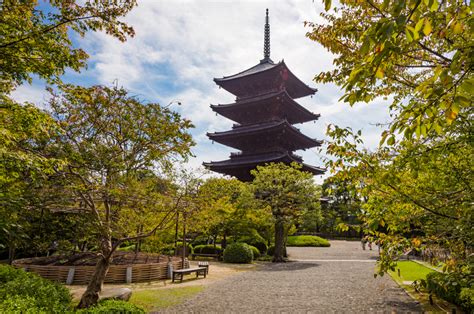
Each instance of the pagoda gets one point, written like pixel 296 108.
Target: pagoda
pixel 264 112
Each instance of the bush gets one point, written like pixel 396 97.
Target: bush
pixel 271 251
pixel 453 287
pixel 466 298
pixel 113 306
pixel 238 253
pixel 20 290
pixel 307 240
pixel 255 251
pixel 207 249
pixel 256 241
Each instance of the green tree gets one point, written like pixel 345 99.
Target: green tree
pixel 285 190
pixel 36 38
pixel 113 143
pixel 25 163
pixel 417 51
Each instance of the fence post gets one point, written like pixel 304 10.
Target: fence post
pixel 128 277
pixel 70 276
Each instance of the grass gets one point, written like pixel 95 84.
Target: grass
pixel 157 299
pixel 412 271
pixel 307 240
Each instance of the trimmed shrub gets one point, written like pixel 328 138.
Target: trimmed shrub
pixel 271 251
pixel 21 290
pixel 307 240
pixel 207 249
pixel 256 241
pixel 452 287
pixel 113 306
pixel 255 251
pixel 466 298
pixel 238 253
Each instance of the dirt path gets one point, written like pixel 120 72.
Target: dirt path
pixel 217 272
pixel 322 280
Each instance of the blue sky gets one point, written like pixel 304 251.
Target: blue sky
pixel 180 46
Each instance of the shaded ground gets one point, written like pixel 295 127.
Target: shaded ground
pixel 323 280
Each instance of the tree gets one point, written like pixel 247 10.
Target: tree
pixel 418 51
pixel 285 190
pixel 25 132
pixel 114 145
pixel 416 190
pixel 35 38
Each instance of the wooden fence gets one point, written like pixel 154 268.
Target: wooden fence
pixel 80 275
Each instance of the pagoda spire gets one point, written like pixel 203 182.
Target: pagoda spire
pixel 266 41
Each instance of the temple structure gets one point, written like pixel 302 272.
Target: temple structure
pixel 264 112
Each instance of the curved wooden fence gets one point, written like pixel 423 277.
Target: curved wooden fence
pixel 80 275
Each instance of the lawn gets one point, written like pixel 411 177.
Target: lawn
pixel 157 299
pixel 410 271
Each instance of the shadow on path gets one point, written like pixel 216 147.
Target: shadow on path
pixel 288 266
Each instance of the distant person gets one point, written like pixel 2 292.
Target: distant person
pixel 363 241
pixel 370 245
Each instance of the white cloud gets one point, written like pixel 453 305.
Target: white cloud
pixel 180 46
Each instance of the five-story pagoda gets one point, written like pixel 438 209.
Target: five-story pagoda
pixel 265 111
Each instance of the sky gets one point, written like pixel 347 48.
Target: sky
pixel 180 46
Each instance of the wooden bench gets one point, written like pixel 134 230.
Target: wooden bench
pixel 216 256
pixel 181 272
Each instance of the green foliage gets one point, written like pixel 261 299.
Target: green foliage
pixel 466 298
pixel 207 249
pixel 255 240
pixel 255 251
pixel 238 253
pixel 307 240
pixel 455 287
pixel 36 39
pixel 21 290
pixel 286 190
pixel 113 306
pixel 420 52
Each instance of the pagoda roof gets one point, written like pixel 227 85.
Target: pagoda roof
pixel 245 137
pixel 290 109
pixel 240 166
pixel 265 70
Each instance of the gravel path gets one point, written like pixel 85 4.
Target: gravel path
pixel 322 280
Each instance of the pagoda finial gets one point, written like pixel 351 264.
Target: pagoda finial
pixel 266 43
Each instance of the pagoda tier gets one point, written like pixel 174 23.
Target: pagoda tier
pixel 265 110
pixel 264 78
pixel 264 136
pixel 271 106
pixel 240 166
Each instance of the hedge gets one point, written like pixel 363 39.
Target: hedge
pixel 22 292
pixel 255 251
pixel 113 306
pixel 307 240
pixel 238 253
pixel 207 249
pixel 453 287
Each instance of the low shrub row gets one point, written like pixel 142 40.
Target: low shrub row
pixel 207 249
pixel 23 292
pixel 454 287
pixel 307 240
pixel 238 253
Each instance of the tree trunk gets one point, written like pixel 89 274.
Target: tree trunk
pixel 91 295
pixel 279 241
pixel 11 253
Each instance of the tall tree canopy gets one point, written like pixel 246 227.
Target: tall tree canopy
pixel 416 191
pixel 286 190
pixel 420 52
pixel 35 37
